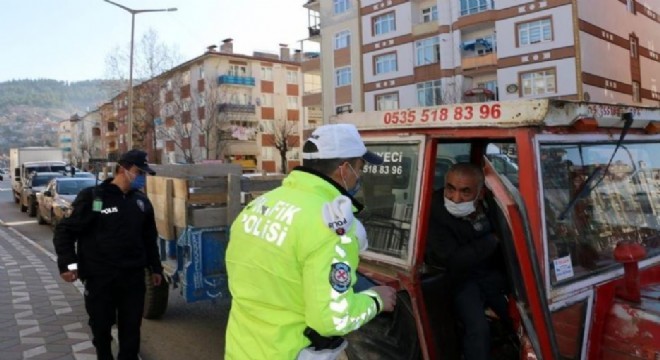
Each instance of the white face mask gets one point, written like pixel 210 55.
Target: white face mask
pixel 461 209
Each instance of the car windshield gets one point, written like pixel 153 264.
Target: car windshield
pixel 622 206
pixel 42 180
pixel 73 187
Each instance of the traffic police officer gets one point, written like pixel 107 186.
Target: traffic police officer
pixel 293 254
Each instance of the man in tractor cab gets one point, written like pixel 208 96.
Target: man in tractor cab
pixel 461 240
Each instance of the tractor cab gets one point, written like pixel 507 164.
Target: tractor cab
pixel 574 190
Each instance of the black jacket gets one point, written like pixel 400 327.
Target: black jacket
pixel 121 236
pixel 453 243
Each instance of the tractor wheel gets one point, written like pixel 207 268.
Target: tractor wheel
pixel 155 298
pixel 389 336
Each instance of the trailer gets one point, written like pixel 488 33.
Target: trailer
pixel 195 205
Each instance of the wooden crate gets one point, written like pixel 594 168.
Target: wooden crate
pixel 201 195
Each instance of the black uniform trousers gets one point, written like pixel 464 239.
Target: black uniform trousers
pixel 116 298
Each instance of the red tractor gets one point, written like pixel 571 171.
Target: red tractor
pixel 576 188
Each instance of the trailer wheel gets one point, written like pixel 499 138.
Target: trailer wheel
pixel 40 219
pixel 155 298
pixel 389 336
pixel 32 208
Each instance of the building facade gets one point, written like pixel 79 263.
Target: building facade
pixel 388 54
pixel 228 107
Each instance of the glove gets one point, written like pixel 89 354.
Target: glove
pixel 338 214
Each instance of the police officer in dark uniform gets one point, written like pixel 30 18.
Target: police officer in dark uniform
pixel 114 229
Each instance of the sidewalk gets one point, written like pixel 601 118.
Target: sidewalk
pixel 41 316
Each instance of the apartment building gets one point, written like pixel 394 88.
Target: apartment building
pixel 64 136
pixel 218 107
pixel 386 54
pixel 85 143
pixel 231 107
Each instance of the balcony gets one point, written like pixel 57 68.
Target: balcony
pixel 312 66
pixel 479 62
pixel 312 99
pixel 236 80
pixel 237 108
pixel 314 32
pixel 314 5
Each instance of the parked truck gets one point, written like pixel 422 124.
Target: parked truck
pixel 575 201
pixel 23 161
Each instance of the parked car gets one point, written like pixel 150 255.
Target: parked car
pixel 54 203
pixel 35 183
pixel 84 174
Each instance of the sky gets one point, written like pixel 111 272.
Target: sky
pixel 70 39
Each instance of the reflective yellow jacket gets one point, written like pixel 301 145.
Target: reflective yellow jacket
pixel 289 269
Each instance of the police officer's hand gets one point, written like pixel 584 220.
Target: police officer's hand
pixel 70 276
pixel 156 279
pixel 388 295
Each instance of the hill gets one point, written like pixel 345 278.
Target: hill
pixel 30 110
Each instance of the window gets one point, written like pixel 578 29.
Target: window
pixel 341 6
pixel 343 76
pixel 292 102
pixel 385 63
pixel 390 215
pixel 267 100
pixel 267 73
pixel 388 101
pixel 630 5
pixel 383 24
pixel 342 39
pixel 635 92
pixel 475 6
pixel 291 77
pixel 427 51
pixel 238 70
pixel 429 93
pixel 201 72
pixel 430 14
pixel 622 205
pixel 491 86
pixel 633 47
pixel 539 82
pixel 534 32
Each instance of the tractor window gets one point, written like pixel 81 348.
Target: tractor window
pixel 590 207
pixel 503 156
pixel 388 193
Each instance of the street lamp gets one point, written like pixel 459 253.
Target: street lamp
pixel 133 12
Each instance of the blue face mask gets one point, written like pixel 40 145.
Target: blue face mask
pixel 354 190
pixel 139 182
pixel 358 183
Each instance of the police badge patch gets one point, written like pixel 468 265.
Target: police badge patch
pixel 140 204
pixel 340 277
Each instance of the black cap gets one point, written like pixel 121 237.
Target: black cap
pixel 137 158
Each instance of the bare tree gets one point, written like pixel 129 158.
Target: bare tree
pixel 285 138
pixel 151 59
